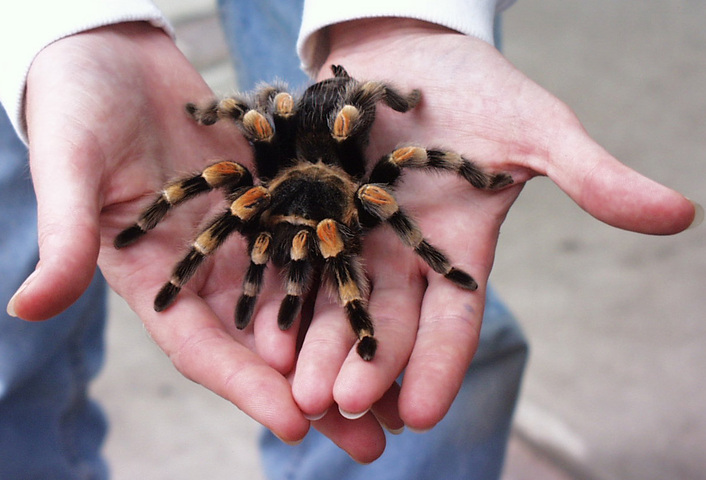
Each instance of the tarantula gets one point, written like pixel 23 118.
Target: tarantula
pixel 313 203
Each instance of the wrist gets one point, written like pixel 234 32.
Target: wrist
pixel 474 18
pixel 365 34
pixel 368 41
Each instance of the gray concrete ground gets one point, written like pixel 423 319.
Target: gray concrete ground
pixel 615 387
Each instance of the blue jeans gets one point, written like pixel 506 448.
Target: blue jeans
pixel 49 428
pixel 469 443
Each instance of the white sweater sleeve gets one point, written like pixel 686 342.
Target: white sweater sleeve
pixel 470 17
pixel 30 25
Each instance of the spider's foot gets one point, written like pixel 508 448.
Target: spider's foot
pixel 147 221
pixel 500 180
pixel 244 311
pixel 462 279
pixel 399 102
pixel 367 347
pixel 363 326
pixel 288 311
pixel 205 116
pixel 128 236
pixel 166 296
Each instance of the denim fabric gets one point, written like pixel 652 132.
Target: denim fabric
pixel 262 37
pixel 49 428
pixel 470 442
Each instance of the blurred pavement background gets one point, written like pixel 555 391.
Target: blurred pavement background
pixel 616 385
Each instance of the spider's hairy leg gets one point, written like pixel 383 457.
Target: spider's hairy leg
pixel 371 92
pixel 382 207
pixel 358 111
pixel 389 168
pixel 243 209
pixel 228 108
pixel 226 175
pixel 260 251
pixel 298 277
pixel 346 271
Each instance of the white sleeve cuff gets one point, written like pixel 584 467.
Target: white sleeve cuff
pixel 31 25
pixel 470 17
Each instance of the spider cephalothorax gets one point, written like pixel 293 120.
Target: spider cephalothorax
pixel 313 202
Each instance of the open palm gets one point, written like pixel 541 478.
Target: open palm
pixel 106 128
pixel 476 103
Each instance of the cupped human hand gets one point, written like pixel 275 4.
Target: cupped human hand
pixel 475 103
pixel 106 126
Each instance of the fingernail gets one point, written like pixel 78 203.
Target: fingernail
pixel 352 416
pixel 11 307
pixel 11 304
pixel 393 431
pixel 293 443
pixel 418 430
pixel 698 215
pixel 313 418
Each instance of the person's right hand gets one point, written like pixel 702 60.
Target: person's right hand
pixel 106 126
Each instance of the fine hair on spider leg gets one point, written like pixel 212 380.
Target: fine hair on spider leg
pixel 228 176
pixel 313 202
pixel 260 251
pixel 298 276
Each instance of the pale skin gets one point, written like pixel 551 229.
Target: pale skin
pixel 106 128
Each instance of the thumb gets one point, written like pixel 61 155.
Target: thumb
pixel 616 194
pixel 68 211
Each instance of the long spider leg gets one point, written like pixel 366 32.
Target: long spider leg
pixel 259 256
pixel 243 209
pixel 298 279
pixel 346 271
pixel 389 168
pixel 231 107
pixel 227 175
pixel 382 206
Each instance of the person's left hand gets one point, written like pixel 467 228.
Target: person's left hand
pixel 477 104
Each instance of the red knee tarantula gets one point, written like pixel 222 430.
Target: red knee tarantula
pixel 313 203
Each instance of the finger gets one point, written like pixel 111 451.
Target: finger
pixel 327 343
pixel 68 210
pixel 387 412
pixel 363 439
pixel 395 301
pixel 395 309
pixel 203 351
pixel 614 193
pixel 446 342
pixel 276 347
